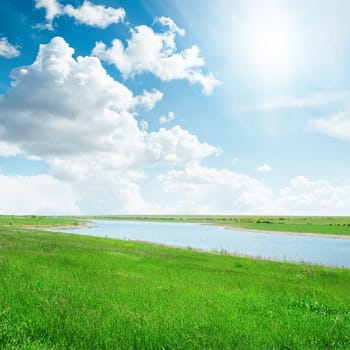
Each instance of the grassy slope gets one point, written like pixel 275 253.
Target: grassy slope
pixel 60 291
pixel 314 224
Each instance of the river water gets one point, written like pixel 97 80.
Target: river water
pixel 294 248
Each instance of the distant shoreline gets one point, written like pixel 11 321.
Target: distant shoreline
pixel 330 227
pixel 52 227
pixel 89 224
pixel 290 233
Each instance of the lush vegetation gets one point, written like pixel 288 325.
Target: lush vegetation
pixel 61 291
pixel 37 221
pixel 308 224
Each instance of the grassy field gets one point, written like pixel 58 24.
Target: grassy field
pixel 61 291
pixel 312 224
pixel 37 221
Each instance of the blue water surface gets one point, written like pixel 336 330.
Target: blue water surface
pixel 295 248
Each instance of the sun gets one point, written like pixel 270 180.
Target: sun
pixel 272 46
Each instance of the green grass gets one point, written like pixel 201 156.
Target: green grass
pixel 308 224
pixel 61 291
pixel 37 221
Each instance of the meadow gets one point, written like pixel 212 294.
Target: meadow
pixel 37 221
pixel 62 291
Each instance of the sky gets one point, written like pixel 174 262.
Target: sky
pixel 175 107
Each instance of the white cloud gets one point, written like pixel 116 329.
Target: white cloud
pixel 118 195
pixel 167 119
pixel 336 125
pixel 315 100
pixel 193 190
pixel 166 21
pixel 93 15
pixel 8 149
pixel 143 125
pixel 7 50
pixel 264 168
pixel 148 99
pixel 201 190
pixel 93 115
pixel 91 104
pixel 91 138
pixel 40 194
pixel 318 197
pixel 52 8
pixel 148 51
pixel 176 146
pixel 98 152
pixel 204 190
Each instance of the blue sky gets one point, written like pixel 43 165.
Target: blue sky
pixel 232 107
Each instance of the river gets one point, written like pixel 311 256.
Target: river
pixel 283 247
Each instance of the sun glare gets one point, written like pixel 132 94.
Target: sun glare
pixel 272 46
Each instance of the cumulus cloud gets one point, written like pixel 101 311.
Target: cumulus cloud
pixel 93 114
pixel 148 99
pixel 98 152
pixel 200 190
pixel 71 114
pixel 7 50
pixel 336 125
pixel 52 9
pixel 166 21
pixel 318 197
pixel 29 194
pixel 212 191
pixel 148 51
pixel 264 168
pixel 90 104
pixel 119 195
pixel 93 15
pixel 167 119
pixel 176 146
